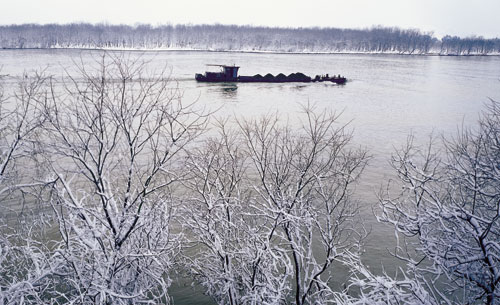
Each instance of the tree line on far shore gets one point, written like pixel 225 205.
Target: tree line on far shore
pixel 242 38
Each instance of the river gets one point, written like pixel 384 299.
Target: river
pixel 387 97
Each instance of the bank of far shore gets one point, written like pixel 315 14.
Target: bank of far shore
pixel 176 49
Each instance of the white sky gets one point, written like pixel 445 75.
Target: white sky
pixel 454 17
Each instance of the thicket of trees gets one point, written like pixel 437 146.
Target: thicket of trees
pixel 112 183
pixel 449 210
pixel 241 38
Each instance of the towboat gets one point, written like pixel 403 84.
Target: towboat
pixel 230 74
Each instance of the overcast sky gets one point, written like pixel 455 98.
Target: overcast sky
pixel 454 17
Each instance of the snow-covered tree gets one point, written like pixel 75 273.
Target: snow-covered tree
pixel 24 268
pixel 232 256
pixel 272 211
pixel 448 212
pixel 113 136
pixel 304 184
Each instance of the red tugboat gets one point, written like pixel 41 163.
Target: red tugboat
pixel 230 74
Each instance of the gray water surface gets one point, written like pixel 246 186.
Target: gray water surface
pixel 386 98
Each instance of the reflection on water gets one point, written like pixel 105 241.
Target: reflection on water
pixel 299 87
pixel 226 91
pixel 229 90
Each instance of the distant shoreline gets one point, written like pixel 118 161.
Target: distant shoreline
pixel 248 39
pixel 252 51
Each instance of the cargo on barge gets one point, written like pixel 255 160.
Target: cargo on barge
pixel 230 74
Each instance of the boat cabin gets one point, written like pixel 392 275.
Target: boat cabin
pixel 228 73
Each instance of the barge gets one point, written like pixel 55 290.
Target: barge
pixel 230 74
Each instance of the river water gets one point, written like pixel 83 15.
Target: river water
pixel 387 97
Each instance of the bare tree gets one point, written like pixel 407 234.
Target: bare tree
pixel 231 37
pixel 24 267
pixel 213 215
pixel 19 119
pixel 113 135
pixel 449 212
pixel 367 288
pixel 304 184
pixel 272 211
pixel 232 254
